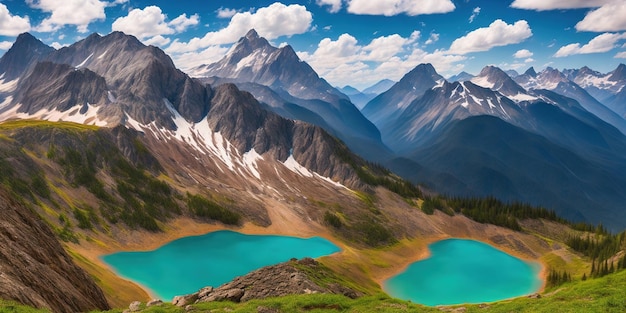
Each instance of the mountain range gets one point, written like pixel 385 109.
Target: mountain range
pixel 100 80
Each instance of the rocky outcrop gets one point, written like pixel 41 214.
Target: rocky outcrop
pixel 284 279
pixel 34 268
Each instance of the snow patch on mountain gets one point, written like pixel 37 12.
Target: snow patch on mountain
pixel 82 114
pixel 250 159
pixel 84 62
pixel 483 81
pixel 9 86
pixel 295 167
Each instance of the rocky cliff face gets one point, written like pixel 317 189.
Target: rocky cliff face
pixel 34 268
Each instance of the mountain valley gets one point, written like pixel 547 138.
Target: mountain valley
pixel 106 146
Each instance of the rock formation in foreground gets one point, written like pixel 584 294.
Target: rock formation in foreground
pixel 289 278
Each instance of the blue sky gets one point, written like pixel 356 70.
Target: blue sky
pixel 356 42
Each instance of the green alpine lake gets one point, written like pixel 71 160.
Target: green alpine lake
pixel 464 271
pixel 185 265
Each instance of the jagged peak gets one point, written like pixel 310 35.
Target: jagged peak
pixel 27 39
pixel 424 70
pixel 252 34
pixel 25 36
pixel 491 70
pixel 531 72
pixel 619 73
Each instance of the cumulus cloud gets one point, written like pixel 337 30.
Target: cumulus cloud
pixel 608 18
pixel 621 55
pixel 335 5
pixel 79 13
pixel 151 22
pixel 158 41
pixel 601 43
pixel 521 54
pixel 497 34
pixel 396 7
pixel 143 23
pixel 529 60
pixel 207 56
pixel 182 22
pixel 12 25
pixel 475 13
pixel 226 13
pixel 270 22
pixel 345 61
pixel 544 5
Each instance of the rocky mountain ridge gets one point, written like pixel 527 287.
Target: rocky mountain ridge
pixel 253 64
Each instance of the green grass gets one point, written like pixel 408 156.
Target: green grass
pixel 15 124
pixel 10 306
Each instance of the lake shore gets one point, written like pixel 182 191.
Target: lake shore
pixel 393 260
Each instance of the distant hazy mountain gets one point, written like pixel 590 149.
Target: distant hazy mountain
pixel 379 87
pixel 357 97
pixel 553 80
pixel 491 136
pixel 461 77
pixel 254 60
pixel 361 98
pixel 349 90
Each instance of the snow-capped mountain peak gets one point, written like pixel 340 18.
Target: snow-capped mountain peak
pixel 494 78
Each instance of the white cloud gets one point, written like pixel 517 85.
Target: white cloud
pixel 543 5
pixel 621 55
pixel 601 43
pixel 529 60
pixel 270 22
pixel 395 7
pixel 475 13
pixel 143 23
pixel 183 22
pixel 157 41
pixel 79 13
pixel 335 5
pixel 150 24
pixel 226 13
pixel 12 25
pixel 608 18
pixel 5 45
pixel 434 37
pixel 521 54
pixel 497 34
pixel 345 61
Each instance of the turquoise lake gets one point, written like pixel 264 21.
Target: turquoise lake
pixel 464 271
pixel 185 265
